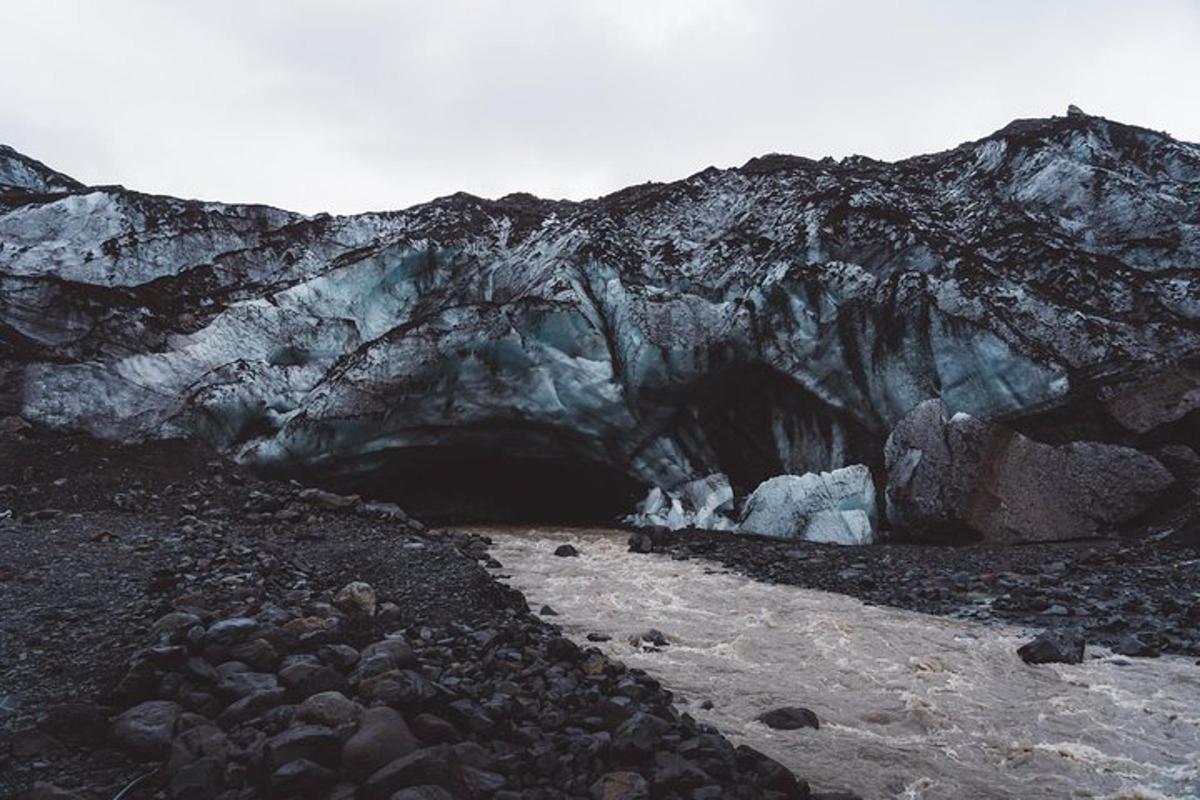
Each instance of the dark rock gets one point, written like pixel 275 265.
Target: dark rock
pixel 429 765
pixel 620 786
pixel 405 689
pixel 145 730
pixel 790 718
pixel 637 737
pixel 303 680
pixel 432 729
pixel 313 742
pixel 301 777
pixel 201 779
pixel 1063 647
pixel 1134 646
pixel 767 773
pixel 251 706
pixel 382 737
pixel 566 551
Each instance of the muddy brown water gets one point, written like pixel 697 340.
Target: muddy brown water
pixel 911 706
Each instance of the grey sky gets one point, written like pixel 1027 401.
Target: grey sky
pixel 351 106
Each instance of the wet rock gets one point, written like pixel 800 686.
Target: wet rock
pixel 566 551
pixel 1135 646
pixel 1062 647
pixel 228 632
pixel 641 543
pixel 790 718
pixel 356 599
pixel 945 472
pixel 836 507
pixel 145 730
pixel 767 773
pixel 382 737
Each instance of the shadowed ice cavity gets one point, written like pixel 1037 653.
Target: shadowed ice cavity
pixel 911 706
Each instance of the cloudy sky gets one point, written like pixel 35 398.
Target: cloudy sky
pixel 349 106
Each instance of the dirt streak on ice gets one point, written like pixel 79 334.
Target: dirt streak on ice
pixel 911 706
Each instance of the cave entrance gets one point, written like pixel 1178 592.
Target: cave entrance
pixel 458 484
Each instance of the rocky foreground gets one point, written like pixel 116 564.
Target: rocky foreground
pixel 177 628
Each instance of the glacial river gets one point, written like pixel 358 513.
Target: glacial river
pixel 911 706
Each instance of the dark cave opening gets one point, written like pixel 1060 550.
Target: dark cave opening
pixel 458 484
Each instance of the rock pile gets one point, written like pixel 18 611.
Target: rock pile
pixel 325 700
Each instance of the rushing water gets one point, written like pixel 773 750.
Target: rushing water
pixel 911 706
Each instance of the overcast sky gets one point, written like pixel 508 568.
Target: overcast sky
pixel 352 106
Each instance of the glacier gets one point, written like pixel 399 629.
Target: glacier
pixel 780 318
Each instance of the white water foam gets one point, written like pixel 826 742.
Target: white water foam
pixel 911 706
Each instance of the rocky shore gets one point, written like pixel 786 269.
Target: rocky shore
pixel 177 628
pixel 1139 597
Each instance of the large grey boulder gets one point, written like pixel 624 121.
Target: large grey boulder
pixel 836 507
pixel 949 475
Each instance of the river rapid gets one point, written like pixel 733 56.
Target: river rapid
pixel 911 706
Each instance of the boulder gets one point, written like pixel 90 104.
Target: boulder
pixel 145 730
pixel 950 475
pixel 356 599
pixel 790 718
pixel 1156 400
pixel 382 737
pixel 837 507
pixel 1053 647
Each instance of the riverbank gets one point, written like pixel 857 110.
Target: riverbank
pixel 171 628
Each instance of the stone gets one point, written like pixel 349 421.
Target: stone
pixel 1133 646
pixel 228 632
pixel 947 474
pixel 312 742
pixel 566 551
pixel 405 689
pixel 638 736
pixel 304 679
pixel 767 773
pixel 790 718
pixel 145 730
pixel 1155 400
pixel 836 507
pixel 332 709
pixel 328 500
pixel 1053 647
pixel 429 765
pixel 201 779
pixel 620 786
pixel 251 706
pixel 356 599
pixel 382 737
pixel 432 729
pixel 301 777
